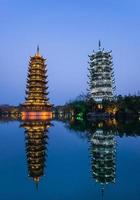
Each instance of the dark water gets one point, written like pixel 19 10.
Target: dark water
pixel 89 164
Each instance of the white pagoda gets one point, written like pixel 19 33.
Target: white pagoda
pixel 103 154
pixel 101 75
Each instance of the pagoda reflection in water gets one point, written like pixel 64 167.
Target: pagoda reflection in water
pixel 103 156
pixel 101 135
pixel 36 137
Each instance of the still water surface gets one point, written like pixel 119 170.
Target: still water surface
pixel 68 164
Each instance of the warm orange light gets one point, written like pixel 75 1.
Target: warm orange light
pixel 36 179
pixel 100 106
pixel 36 115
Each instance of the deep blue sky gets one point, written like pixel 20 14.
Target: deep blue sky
pixel 67 31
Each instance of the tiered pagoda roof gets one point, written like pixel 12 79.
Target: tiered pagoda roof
pixel 103 150
pixel 36 137
pixel 101 75
pixel 37 85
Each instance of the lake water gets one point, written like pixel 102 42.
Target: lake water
pixel 66 161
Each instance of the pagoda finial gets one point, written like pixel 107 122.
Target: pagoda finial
pixel 102 191
pixel 99 44
pixel 37 52
pixel 36 180
pixel 36 183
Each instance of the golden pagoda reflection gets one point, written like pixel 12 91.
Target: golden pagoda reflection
pixel 36 137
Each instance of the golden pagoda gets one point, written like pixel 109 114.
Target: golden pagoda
pixel 36 101
pixel 36 137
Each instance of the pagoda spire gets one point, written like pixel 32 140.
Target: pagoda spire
pixel 99 43
pixel 36 184
pixel 102 192
pixel 37 51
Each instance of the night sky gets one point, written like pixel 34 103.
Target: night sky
pixel 67 31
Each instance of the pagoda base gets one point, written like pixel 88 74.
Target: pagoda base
pixel 44 115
